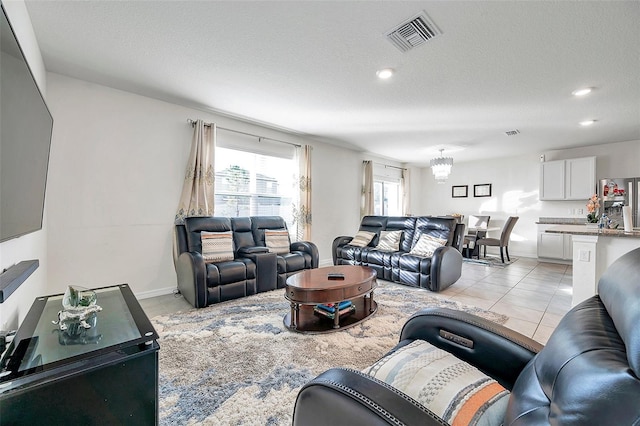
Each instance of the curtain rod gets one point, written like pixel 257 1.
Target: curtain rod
pixel 391 167
pixel 192 123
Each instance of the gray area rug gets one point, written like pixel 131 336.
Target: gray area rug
pixel 235 363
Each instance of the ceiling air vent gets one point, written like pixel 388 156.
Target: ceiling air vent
pixel 413 33
pixel 512 132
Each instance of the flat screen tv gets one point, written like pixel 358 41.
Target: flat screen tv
pixel 25 139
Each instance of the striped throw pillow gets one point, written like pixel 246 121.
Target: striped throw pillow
pixel 389 241
pixel 217 246
pixel 362 238
pixel 277 240
pixel 426 245
pixel 456 391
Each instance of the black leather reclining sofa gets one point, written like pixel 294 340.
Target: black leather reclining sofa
pixel 434 273
pixel 253 268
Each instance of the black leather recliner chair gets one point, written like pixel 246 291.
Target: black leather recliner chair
pixel 253 268
pixel 587 374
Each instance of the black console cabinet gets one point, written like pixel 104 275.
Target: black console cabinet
pixel 107 374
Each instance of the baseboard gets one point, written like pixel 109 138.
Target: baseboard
pixel 325 262
pixel 155 293
pixel 558 261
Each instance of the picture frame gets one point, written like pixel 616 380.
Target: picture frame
pixel 459 191
pixel 482 190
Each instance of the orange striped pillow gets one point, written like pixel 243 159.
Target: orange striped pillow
pixel 217 246
pixel 454 390
pixel 277 240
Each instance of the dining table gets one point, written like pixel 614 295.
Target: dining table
pixel 476 233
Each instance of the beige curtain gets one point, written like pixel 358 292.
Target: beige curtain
pixel 198 190
pixel 366 206
pixel 302 212
pixel 406 192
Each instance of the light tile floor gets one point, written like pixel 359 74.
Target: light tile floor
pixel 532 294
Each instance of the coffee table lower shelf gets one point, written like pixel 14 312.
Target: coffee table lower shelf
pixel 309 323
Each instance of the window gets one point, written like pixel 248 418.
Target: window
pixel 253 184
pixel 387 190
pixel 387 200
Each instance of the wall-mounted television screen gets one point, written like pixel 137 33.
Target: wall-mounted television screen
pixel 25 138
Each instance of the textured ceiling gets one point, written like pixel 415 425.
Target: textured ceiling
pixel 310 67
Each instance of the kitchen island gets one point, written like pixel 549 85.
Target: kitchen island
pixel 593 251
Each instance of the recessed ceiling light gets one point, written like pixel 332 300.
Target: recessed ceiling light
pixel 582 92
pixel 587 122
pixel 385 73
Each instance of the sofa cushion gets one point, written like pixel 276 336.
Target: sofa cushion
pixel 292 262
pixel 277 240
pixel 437 227
pixel 389 241
pixel 362 238
pixel 454 390
pixel 426 245
pixel 242 232
pixel 222 273
pixel 217 246
pixel 411 262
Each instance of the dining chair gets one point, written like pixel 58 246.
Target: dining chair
pixel 475 222
pixel 502 242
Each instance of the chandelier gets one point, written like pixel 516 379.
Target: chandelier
pixel 441 167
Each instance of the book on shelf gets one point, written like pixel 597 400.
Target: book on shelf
pixel 330 307
pixel 331 314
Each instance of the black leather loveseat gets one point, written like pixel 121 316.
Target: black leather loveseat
pixel 435 272
pixel 249 269
pixel 587 374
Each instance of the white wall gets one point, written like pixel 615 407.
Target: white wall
pixel 34 245
pixel 514 192
pixel 115 179
pixel 515 187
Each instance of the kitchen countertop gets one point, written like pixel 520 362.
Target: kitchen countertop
pixel 584 230
pixel 561 221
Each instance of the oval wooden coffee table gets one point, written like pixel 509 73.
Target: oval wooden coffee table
pixel 311 287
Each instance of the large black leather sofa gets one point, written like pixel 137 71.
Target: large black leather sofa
pixel 434 273
pixel 587 374
pixel 253 268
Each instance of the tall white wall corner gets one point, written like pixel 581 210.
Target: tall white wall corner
pixel 585 276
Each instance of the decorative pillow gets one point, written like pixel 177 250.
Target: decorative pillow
pixel 456 391
pixel 277 240
pixel 426 245
pixel 217 246
pixel 389 241
pixel 362 238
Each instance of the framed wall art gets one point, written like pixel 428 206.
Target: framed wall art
pixel 483 190
pixel 460 191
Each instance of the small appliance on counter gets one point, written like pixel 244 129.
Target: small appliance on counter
pixel 617 193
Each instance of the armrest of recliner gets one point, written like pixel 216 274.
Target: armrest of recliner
pixel 494 349
pixel 446 268
pixel 338 242
pixel 266 266
pixel 307 247
pixel 248 251
pixel 192 278
pixel 345 396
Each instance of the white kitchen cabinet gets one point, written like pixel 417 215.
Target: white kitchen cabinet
pixel 580 173
pixel 554 246
pixel 552 178
pixel 572 179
